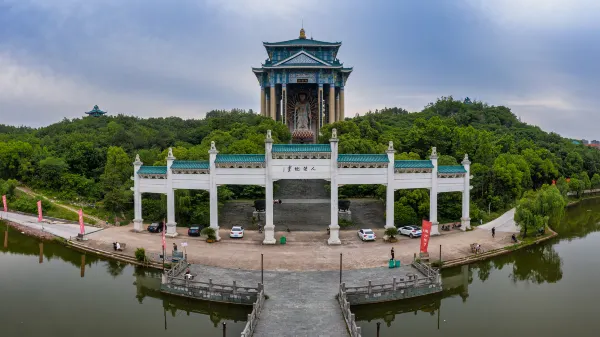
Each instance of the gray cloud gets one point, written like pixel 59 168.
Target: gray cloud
pixel 59 58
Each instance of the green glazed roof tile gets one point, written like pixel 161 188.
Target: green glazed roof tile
pixel 152 170
pixel 301 42
pixel 408 164
pixel 451 169
pixel 190 165
pixel 240 158
pixel 279 148
pixel 363 158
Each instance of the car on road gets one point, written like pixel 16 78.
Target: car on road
pixel 195 230
pixel 156 227
pixel 236 232
pixel 410 231
pixel 366 235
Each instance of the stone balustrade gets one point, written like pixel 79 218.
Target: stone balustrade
pixel 254 315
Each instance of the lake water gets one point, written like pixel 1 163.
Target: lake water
pixel 53 299
pixel 550 289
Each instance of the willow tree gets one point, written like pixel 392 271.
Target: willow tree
pixel 540 208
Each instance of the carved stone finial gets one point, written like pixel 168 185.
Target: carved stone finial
pixel 334 133
pixel 170 155
pixel 137 160
pixel 433 153
pixel 269 134
pixel 466 160
pixel 391 146
pixel 212 145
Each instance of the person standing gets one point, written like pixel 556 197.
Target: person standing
pixel 392 253
pixel 174 247
pixel 493 232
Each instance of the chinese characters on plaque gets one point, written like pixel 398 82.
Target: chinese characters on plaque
pixel 291 168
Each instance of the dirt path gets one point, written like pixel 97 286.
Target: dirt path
pixel 28 191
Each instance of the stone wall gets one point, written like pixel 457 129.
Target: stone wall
pixel 393 295
pixel 211 291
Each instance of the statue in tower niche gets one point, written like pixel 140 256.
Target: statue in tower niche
pixel 302 112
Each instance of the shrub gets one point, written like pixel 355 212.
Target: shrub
pixel 140 255
pixel 343 223
pixel 210 233
pixel 391 232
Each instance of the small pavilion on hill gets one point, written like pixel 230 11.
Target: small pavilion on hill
pixel 95 112
pixel 300 161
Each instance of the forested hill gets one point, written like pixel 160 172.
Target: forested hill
pixel 91 158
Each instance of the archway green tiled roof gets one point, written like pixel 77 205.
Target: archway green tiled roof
pixel 406 164
pixel 452 169
pixel 240 158
pixel 190 165
pixel 152 170
pixel 302 42
pixel 363 158
pixel 286 148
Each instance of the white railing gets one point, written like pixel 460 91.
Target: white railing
pixel 253 316
pixel 177 268
pixel 348 315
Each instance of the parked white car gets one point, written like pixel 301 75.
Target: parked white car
pixel 411 231
pixel 366 235
pixel 236 232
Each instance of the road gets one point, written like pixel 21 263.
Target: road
pixel 61 229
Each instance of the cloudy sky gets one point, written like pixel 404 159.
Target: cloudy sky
pixel 185 57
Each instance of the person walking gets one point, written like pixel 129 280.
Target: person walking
pixel 174 247
pixel 493 232
pixel 392 253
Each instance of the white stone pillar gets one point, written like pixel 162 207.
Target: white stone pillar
pixel 433 194
pixel 212 190
pixel 269 226
pixel 273 102
pixel 137 196
pixel 389 193
pixel 284 103
pixel 171 224
pixel 466 197
pixel 334 227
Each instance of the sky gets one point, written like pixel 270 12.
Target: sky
pixel 151 58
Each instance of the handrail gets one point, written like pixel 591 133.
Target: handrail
pixel 210 286
pixel 177 268
pixel 349 317
pixel 254 315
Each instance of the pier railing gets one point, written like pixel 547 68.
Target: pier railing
pixel 425 269
pixel 177 268
pixel 348 315
pixel 253 317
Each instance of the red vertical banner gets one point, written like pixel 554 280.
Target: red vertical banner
pixel 81 225
pixel 425 233
pixel 39 203
pixel 4 203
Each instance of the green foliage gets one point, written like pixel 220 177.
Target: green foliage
pixel 90 159
pixel 140 255
pixel 209 232
pixel 343 223
pixel 7 187
pixel 538 209
pixel 391 232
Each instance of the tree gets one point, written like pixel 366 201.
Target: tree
pixel 115 179
pixel 50 171
pixel 577 186
pixel 595 180
pixel 404 215
pixel 562 186
pixel 585 179
pixel 540 208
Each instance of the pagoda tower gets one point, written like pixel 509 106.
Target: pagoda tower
pixel 302 85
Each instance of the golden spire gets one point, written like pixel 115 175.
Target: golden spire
pixel 302 34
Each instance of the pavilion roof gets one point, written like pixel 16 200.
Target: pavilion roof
pixel 240 158
pixel 407 164
pixel 363 158
pixel 452 169
pixel 302 42
pixel 152 170
pixel 190 165
pixel 287 148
